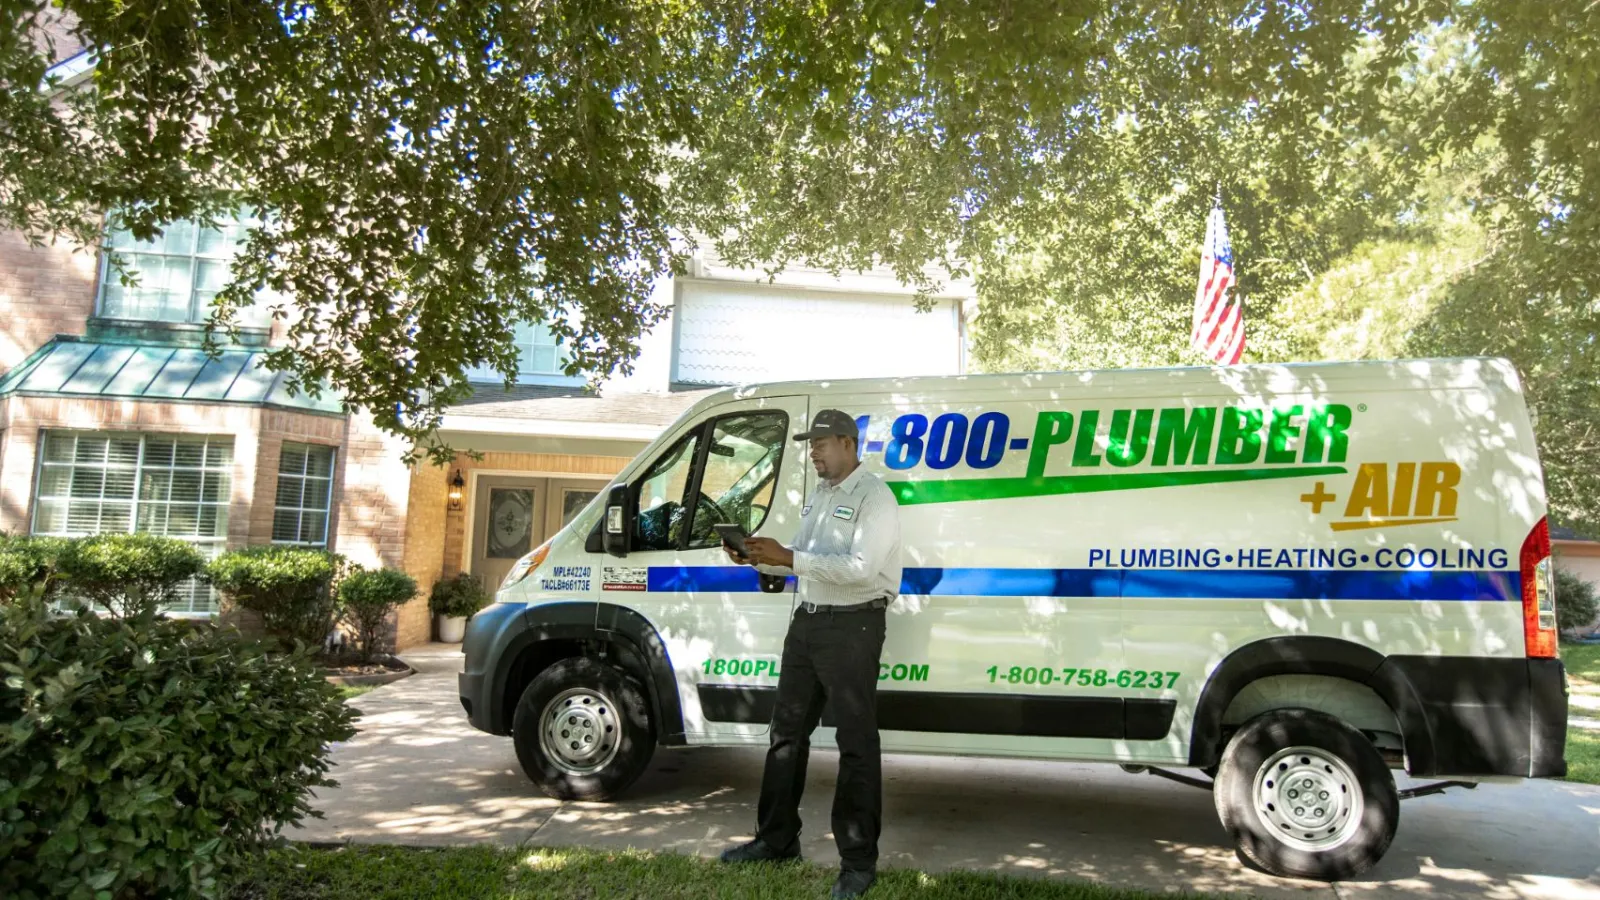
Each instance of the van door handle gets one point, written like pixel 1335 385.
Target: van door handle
pixel 772 584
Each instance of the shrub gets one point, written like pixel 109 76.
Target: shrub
pixel 127 574
pixel 28 567
pixel 462 595
pixel 1575 601
pixel 142 758
pixel 292 588
pixel 365 598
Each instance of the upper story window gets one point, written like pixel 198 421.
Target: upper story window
pixel 539 356
pixel 176 275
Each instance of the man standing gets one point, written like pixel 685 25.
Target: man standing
pixel 847 559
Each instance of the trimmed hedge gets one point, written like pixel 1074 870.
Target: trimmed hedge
pixel 462 595
pixel 127 574
pixel 365 598
pixel 123 574
pixel 292 588
pixel 1575 601
pixel 141 757
pixel 28 567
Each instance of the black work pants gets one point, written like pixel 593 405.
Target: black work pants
pixel 827 658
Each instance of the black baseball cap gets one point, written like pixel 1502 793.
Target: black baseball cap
pixel 829 421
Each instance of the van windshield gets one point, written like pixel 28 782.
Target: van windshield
pixel 737 478
pixel 741 472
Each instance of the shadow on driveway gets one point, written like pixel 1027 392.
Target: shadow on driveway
pixel 417 773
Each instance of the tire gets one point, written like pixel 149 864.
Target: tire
pixel 1269 827
pixel 603 745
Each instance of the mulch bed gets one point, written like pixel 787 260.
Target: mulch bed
pixel 349 670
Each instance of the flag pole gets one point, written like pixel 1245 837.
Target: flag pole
pixel 1238 294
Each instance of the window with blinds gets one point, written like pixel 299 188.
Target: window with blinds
pixel 305 493
pixel 173 485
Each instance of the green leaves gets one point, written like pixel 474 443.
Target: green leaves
pixel 120 791
pixel 429 175
pixel 292 588
pixel 127 574
pixel 365 598
pixel 462 595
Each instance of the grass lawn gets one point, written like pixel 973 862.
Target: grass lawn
pixel 1583 755
pixel 356 690
pixel 481 873
pixel 1583 664
pixel 1583 744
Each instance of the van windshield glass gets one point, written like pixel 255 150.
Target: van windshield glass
pixel 741 473
pixel 660 520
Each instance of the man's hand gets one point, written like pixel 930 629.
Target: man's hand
pixel 768 552
pixel 734 555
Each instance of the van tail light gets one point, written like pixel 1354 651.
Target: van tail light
pixel 1538 593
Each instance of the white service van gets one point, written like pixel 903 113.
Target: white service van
pixel 1292 577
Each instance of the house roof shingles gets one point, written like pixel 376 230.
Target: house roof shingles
pixel 1562 533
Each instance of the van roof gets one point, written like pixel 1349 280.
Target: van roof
pixel 1267 378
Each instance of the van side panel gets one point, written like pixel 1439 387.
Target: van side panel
pixel 1105 540
pixel 1092 559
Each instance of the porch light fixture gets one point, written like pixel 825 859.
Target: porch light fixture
pixel 457 484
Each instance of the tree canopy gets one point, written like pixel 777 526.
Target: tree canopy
pixel 429 174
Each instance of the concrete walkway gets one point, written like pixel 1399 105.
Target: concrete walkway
pixel 1582 709
pixel 418 774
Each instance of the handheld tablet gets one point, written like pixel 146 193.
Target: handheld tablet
pixel 733 536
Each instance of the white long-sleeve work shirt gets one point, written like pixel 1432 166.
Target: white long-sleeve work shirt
pixel 848 549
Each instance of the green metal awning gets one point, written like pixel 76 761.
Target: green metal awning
pixel 69 367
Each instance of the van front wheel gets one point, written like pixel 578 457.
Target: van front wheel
pixel 582 731
pixel 1305 795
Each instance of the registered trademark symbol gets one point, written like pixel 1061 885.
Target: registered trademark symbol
pixel 1361 407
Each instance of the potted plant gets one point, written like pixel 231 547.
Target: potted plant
pixel 453 601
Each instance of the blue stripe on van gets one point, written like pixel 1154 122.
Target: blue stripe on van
pixel 732 579
pixel 1247 584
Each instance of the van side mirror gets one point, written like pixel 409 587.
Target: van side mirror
pixel 618 521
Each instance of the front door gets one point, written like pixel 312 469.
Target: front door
pixel 723 624
pixel 508 521
pixel 568 497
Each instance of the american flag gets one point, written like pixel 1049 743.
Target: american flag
pixel 1218 319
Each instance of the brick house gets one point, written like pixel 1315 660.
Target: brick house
pixel 112 418
pixel 1578 554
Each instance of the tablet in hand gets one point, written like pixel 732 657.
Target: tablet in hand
pixel 733 536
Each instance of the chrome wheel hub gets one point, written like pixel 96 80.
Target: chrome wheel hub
pixel 579 731
pixel 1309 798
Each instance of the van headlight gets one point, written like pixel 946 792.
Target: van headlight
pixel 526 565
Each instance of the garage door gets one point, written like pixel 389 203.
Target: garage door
pixel 737 333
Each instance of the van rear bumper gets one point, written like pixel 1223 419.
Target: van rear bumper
pixel 1485 716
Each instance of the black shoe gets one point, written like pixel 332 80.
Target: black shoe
pixel 853 883
pixel 758 851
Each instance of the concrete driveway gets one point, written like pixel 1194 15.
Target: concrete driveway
pixel 418 774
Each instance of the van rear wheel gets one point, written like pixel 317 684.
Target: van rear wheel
pixel 582 731
pixel 1305 795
